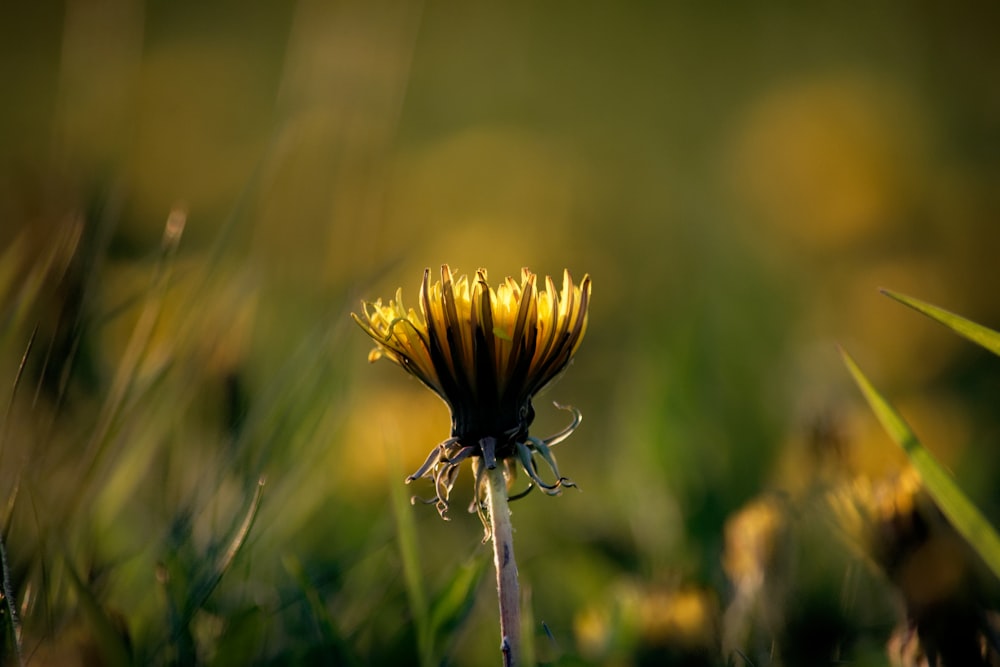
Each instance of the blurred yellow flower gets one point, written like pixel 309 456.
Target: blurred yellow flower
pixel 486 353
pixel 664 625
pixel 757 559
pixel 896 526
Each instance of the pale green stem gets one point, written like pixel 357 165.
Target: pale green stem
pixel 503 559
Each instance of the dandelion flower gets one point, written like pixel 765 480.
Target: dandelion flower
pixel 486 352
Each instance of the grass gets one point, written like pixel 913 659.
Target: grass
pixel 198 467
pixel 218 538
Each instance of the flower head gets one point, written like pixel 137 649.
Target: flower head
pixel 486 353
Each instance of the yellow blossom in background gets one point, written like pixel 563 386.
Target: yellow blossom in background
pixel 896 526
pixel 757 563
pixel 668 624
pixel 486 352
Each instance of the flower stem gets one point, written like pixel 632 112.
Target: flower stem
pixel 503 559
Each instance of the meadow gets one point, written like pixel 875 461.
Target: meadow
pixel 199 465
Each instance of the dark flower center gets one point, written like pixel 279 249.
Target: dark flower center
pixel 507 424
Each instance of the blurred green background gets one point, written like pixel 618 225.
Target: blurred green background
pixel 737 180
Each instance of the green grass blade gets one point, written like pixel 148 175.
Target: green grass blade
pixel 202 593
pixel 977 333
pixel 9 600
pixel 123 382
pixel 454 601
pixel 409 551
pixel 955 505
pixel 110 640
pixel 333 644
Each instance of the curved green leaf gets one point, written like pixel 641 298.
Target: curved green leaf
pixel 977 333
pixel 955 505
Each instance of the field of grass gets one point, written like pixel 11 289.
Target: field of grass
pixel 198 464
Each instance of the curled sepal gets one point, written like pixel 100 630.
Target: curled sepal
pixel 556 438
pixel 440 505
pixel 543 449
pixel 526 454
pixel 461 455
pixel 432 459
pixel 442 468
pixel 443 484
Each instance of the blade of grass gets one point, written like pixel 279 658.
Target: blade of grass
pixel 8 595
pixel 332 642
pixel 8 583
pixel 110 641
pixel 406 536
pixel 133 355
pixel 48 268
pixel 226 558
pixel 10 269
pixel 952 501
pixel 454 602
pixel 977 333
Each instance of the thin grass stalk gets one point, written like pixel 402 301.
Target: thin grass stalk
pixel 8 594
pixel 406 535
pixel 8 580
pixel 508 591
pixel 132 357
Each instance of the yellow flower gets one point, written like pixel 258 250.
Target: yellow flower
pixel 486 353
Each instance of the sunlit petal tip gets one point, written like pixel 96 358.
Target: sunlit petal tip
pixel 550 287
pixel 425 293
